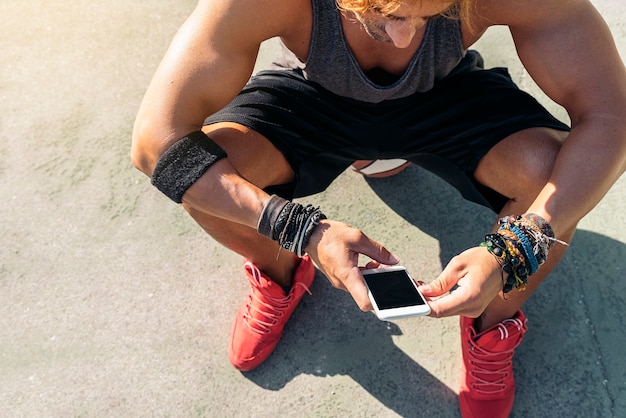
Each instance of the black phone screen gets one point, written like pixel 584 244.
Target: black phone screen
pixel 393 289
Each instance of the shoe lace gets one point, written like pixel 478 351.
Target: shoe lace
pixel 491 371
pixel 270 308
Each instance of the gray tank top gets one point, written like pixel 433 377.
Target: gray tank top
pixel 331 64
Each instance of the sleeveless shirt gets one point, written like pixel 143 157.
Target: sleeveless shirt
pixel 331 64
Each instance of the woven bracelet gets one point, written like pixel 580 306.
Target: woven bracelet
pixel 290 224
pixel 184 163
pixel 521 246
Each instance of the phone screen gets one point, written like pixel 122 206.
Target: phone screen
pixel 393 289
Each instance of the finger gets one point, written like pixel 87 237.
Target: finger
pixel 355 285
pixel 372 265
pixel 376 251
pixel 455 303
pixel 442 284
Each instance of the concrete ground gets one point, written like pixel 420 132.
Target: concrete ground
pixel 114 304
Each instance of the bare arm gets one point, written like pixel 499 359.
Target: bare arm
pixel 568 50
pixel 206 65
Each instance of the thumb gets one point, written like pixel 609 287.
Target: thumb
pixel 442 284
pixel 355 285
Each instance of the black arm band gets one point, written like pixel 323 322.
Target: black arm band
pixel 184 163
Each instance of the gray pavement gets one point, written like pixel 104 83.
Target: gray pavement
pixel 114 304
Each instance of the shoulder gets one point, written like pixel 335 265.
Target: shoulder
pixel 523 15
pixel 566 47
pixel 258 20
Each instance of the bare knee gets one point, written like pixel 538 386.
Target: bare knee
pixel 520 166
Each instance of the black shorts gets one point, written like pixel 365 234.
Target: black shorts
pixel 446 130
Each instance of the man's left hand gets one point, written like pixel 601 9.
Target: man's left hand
pixel 478 277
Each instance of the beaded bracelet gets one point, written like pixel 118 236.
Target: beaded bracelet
pixel 521 246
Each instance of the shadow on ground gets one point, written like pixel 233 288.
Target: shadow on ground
pixel 569 365
pixel 571 361
pixel 336 341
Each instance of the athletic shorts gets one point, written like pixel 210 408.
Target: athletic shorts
pixel 446 130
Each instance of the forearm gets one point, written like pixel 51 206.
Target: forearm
pixel 590 161
pixel 223 193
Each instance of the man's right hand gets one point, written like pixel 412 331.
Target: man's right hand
pixel 335 248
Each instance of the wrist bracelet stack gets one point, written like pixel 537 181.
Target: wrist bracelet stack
pixel 521 246
pixel 290 224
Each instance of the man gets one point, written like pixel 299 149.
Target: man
pixel 386 79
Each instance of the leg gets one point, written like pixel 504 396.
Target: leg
pixel 260 163
pixel 488 342
pixel 260 320
pixel 247 242
pixel 534 152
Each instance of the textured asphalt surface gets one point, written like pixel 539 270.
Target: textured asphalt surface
pixel 113 303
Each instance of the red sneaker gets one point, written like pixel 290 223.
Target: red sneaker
pixel 487 384
pixel 260 320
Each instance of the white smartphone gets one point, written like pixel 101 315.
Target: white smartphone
pixel 393 293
